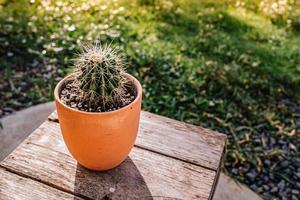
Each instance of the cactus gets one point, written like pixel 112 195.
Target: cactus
pixel 100 75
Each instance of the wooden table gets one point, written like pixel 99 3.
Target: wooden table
pixel 170 160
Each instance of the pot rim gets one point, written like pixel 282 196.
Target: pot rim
pixel 130 77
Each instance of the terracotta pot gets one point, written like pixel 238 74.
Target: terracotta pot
pixel 99 141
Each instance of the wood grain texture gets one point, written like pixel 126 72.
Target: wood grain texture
pixel 171 160
pixel 14 187
pixel 144 175
pixel 179 140
pixel 230 189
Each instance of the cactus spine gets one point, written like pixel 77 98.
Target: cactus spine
pixel 100 74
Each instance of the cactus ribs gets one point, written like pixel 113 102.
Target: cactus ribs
pixel 99 82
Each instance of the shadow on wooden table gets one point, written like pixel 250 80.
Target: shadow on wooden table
pixel 123 182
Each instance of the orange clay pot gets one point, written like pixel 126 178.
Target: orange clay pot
pixel 99 141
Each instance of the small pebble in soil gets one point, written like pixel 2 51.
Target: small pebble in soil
pixel 274 189
pixel 295 197
pixel 284 164
pixel 296 192
pixel 251 175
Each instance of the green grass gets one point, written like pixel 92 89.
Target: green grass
pixel 228 68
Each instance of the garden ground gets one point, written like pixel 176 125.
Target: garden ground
pixel 232 67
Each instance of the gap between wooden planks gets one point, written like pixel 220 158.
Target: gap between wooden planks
pixel 44 146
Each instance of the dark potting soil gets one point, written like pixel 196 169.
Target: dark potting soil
pixel 70 95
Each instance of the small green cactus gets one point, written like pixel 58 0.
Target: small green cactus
pixel 100 74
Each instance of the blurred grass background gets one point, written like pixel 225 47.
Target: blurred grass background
pixel 232 66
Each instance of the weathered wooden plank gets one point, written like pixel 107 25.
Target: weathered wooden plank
pixel 43 156
pixel 17 187
pixel 179 140
pixel 144 175
pixel 229 188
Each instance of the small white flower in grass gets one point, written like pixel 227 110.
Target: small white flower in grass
pixel 57 49
pixel 103 7
pixel 71 28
